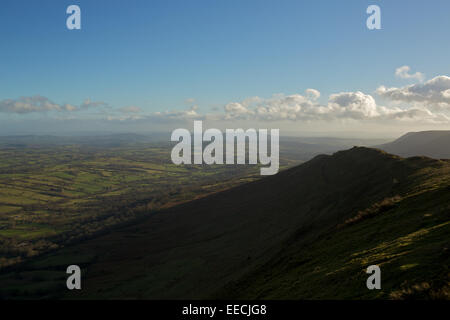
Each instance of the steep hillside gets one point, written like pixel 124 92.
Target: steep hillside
pixel 332 215
pixel 434 144
pixel 407 236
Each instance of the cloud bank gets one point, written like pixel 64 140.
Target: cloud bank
pixel 432 93
pixel 356 106
pixel 424 103
pixel 37 103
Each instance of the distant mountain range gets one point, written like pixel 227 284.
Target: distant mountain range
pixel 308 232
pixel 434 144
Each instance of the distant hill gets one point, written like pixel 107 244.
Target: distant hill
pixel 306 233
pixel 434 144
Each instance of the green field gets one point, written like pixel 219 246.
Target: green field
pixel 55 191
pixel 51 195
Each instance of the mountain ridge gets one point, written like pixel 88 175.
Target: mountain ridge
pixel 434 144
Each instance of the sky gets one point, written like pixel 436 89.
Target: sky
pixel 307 67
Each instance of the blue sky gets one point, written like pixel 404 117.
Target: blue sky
pixel 157 54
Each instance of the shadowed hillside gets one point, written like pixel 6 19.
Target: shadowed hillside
pixel 307 232
pixel 433 144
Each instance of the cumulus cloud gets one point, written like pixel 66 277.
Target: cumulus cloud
pixel 190 113
pixel 403 73
pixel 341 106
pixel 37 103
pixel 237 110
pixel 354 105
pixel 279 107
pixel 434 92
pixel 312 94
pixel 360 106
pixel 349 105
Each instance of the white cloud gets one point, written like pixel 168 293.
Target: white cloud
pixel 432 93
pixel 312 94
pixel 297 107
pixel 37 103
pixel 446 94
pixel 24 105
pixel 356 106
pixel 189 113
pixel 236 110
pixel 279 107
pixel 417 115
pixel 403 73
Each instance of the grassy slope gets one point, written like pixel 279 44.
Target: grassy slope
pixel 272 238
pixel 408 241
